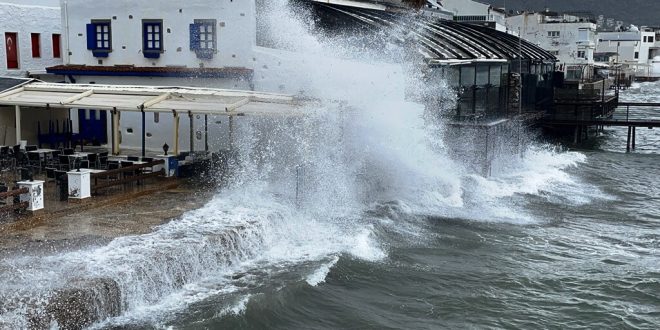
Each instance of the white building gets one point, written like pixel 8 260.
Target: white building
pixel 477 12
pixel 637 49
pixel 570 38
pixel 192 43
pixel 196 43
pixel 31 37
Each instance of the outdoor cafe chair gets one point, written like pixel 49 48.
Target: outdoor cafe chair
pixel 50 174
pixel 64 162
pixel 93 161
pixel 34 161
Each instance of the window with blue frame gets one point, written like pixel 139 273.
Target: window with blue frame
pixel 99 37
pixel 203 38
pixel 152 38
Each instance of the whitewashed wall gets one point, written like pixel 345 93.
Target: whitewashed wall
pixel 25 17
pixel 235 31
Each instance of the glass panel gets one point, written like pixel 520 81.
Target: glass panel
pixel 481 100
pixel 202 37
pixel 467 76
pixel 493 99
pixel 149 28
pixel 106 44
pixel 106 28
pixel 202 28
pixel 99 36
pixel 157 44
pixel 157 28
pixel 150 44
pixel 99 44
pixel 156 37
pixel 482 75
pixel 150 37
pixel 99 28
pixel 495 75
pixel 452 76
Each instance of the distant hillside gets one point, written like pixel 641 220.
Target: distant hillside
pixel 638 12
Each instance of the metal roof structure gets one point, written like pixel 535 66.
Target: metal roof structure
pixel 439 41
pixel 150 99
pixel 11 82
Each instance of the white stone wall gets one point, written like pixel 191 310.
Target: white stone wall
pixel 235 31
pixel 475 8
pixel 466 7
pixel 625 44
pixel 573 37
pixel 25 17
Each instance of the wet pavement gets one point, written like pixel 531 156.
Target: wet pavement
pixel 67 226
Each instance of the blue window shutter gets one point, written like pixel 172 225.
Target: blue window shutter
pixel 91 36
pixel 194 36
pixel 144 35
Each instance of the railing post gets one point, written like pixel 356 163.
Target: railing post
pixel 628 139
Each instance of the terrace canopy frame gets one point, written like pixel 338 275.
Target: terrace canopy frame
pixel 174 100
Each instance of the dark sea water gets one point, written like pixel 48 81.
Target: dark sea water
pixel 588 258
pixel 584 254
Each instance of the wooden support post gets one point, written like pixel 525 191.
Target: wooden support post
pixel 115 132
pixel 192 131
pixel 17 110
pixel 586 132
pixel 634 133
pixel 231 132
pixel 628 139
pixel 576 134
pixel 206 133
pixel 176 133
pixel 144 132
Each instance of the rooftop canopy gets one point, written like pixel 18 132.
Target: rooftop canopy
pixel 150 99
pixel 439 41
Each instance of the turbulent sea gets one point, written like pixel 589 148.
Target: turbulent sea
pixel 573 243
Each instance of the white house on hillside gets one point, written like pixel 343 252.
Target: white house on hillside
pixel 638 50
pixel 570 38
pixel 476 12
pixel 31 37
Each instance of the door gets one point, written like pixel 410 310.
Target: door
pixel 11 45
pixel 93 126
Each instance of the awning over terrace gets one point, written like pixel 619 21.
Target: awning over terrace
pixel 177 101
pixel 150 99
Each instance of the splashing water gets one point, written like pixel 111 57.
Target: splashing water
pixel 297 199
